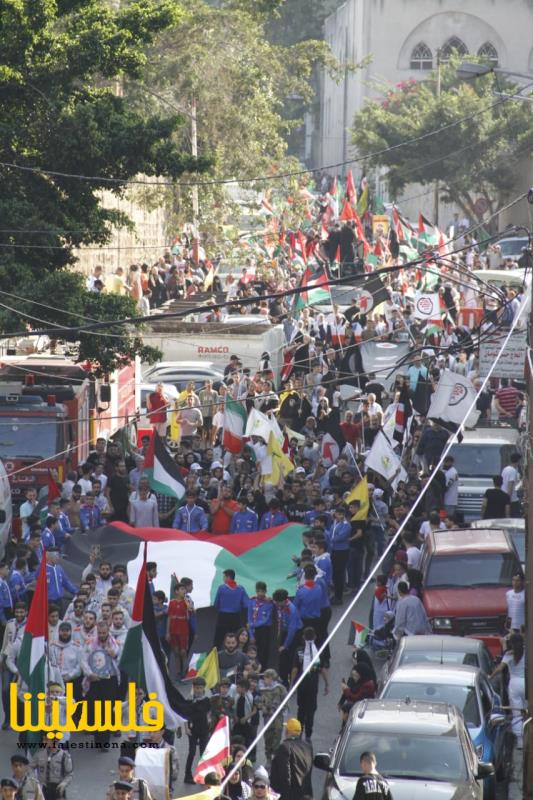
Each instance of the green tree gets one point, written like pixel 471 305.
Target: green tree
pixel 61 109
pixel 221 58
pixel 474 158
pixel 298 20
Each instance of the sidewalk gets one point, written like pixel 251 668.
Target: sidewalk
pixel 515 784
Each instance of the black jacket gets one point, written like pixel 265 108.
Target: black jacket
pixel 290 774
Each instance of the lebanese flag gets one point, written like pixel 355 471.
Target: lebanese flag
pixel 234 425
pixel 142 658
pixel 216 752
pixel 330 448
pixel 162 471
pixel 263 553
pixel 32 657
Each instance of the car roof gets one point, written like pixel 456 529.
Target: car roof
pixel 507 522
pixel 167 387
pixel 399 716
pixel 185 365
pixel 436 674
pixel 495 436
pixel 446 644
pixel 470 540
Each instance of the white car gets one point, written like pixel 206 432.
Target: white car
pixel 180 373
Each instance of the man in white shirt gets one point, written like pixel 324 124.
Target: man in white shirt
pixel 143 511
pixel 410 617
pixel 451 494
pixel 434 523
pixel 26 510
pixel 510 477
pixel 516 605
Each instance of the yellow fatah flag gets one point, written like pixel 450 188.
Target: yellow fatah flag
pixel 208 794
pixel 360 492
pixel 175 427
pixel 210 669
pixel 281 463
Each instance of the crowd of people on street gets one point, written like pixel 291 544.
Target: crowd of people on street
pixel 267 641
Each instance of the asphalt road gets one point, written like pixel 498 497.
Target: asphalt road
pixel 93 771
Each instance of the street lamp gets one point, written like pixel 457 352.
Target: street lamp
pixel 469 69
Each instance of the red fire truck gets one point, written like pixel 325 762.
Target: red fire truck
pixel 51 412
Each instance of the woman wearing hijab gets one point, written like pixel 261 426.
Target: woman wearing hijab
pixel 237 788
pixel 360 686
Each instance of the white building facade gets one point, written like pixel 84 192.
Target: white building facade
pixel 402 38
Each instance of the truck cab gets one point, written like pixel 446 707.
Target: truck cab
pixel 466 574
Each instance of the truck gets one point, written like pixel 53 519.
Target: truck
pixel 51 412
pixel 215 342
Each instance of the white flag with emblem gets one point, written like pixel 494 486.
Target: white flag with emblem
pixel 453 397
pixel 383 459
pixel 427 306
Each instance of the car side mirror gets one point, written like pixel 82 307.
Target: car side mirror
pixel 322 761
pixel 484 770
pixel 495 720
pixel 2 516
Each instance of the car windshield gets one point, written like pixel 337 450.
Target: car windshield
pixel 24 438
pixel 481 460
pixel 470 569
pixel 513 247
pixel 399 755
pixel 463 697
pixel 438 657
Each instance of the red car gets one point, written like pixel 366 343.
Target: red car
pixel 466 574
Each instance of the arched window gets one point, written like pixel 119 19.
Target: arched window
pixel 453 45
pixel 421 57
pixel 489 54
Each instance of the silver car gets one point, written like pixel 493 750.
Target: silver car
pixel 423 750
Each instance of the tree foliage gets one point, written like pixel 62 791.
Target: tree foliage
pixel 60 67
pixel 474 158
pixel 298 20
pixel 242 84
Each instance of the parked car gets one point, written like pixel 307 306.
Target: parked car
pixel 513 247
pixel 515 526
pixel 483 453
pixel 448 650
pixel 180 373
pixel 469 690
pixel 423 749
pixel 466 574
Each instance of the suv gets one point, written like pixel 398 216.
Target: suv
pixel 422 749
pixel 483 453
pixel 466 574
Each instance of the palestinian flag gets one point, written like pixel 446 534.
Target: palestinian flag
pixel 403 412
pixel 234 425
pixel 315 291
pixel 32 657
pixel 142 658
pixel 427 232
pixel 216 753
pixel 162 470
pixel 358 634
pixel 260 554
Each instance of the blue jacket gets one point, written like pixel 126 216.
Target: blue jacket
pixel 290 623
pixel 65 522
pixel 259 614
pixel 57 581
pixel 17 585
pixel 308 601
pixel 90 518
pixel 323 563
pixel 271 519
pixel 47 538
pixel 230 601
pixel 338 536
pixel 325 603
pixel 6 599
pixel 310 516
pixel 191 520
pixel 244 521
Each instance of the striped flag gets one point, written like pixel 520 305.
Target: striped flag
pixel 143 660
pixel 205 665
pixel 162 470
pixel 32 657
pixel 403 412
pixel 234 425
pixel 358 634
pixel 216 752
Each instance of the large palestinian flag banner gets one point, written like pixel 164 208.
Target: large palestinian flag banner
pixel 261 555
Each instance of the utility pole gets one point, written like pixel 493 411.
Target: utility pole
pixel 195 203
pixel 436 188
pixel 528 727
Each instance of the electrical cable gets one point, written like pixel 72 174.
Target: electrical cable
pixel 345 614
pixel 258 179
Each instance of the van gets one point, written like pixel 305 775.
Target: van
pixel 483 453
